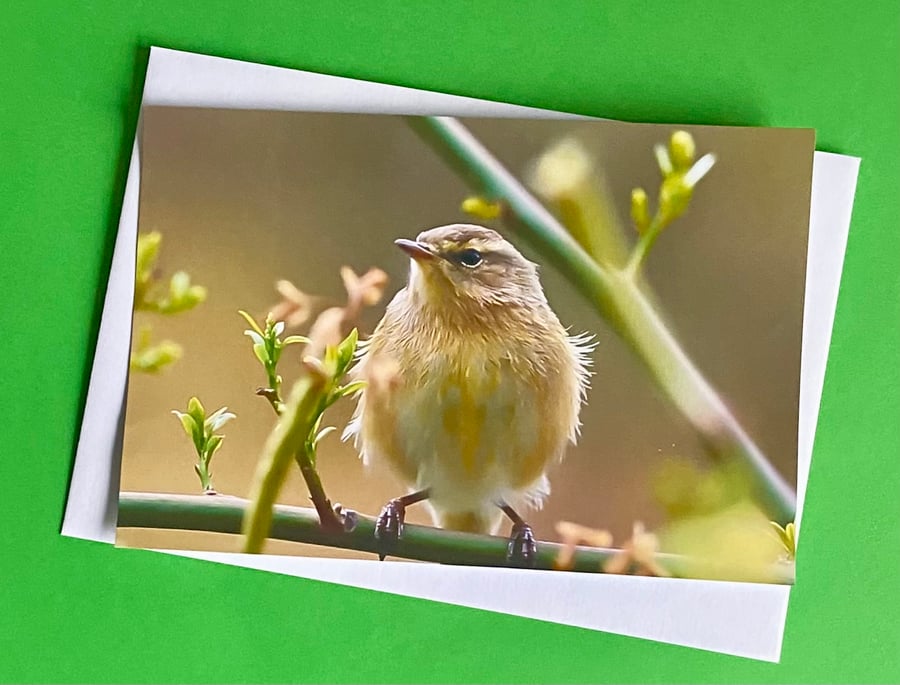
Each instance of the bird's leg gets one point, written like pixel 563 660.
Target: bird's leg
pixel 522 549
pixel 389 524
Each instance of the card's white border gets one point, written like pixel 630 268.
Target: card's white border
pixel 735 618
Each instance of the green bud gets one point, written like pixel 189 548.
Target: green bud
pixel 196 410
pixel 481 208
pixel 682 150
pixel 639 212
pixel 270 322
pixel 198 431
pixel 674 197
pixel 179 284
pixel 147 251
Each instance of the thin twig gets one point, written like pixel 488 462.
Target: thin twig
pixel 223 514
pixel 642 248
pixel 619 301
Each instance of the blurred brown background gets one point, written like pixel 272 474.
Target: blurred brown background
pixel 244 198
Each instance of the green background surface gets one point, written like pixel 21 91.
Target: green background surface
pixel 70 79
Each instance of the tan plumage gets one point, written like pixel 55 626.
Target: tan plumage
pixel 474 387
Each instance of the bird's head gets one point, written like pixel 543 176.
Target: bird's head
pixel 468 265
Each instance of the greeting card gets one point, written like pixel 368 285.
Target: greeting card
pixel 670 261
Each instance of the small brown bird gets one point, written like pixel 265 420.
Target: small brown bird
pixel 473 386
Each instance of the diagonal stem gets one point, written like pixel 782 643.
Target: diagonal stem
pixel 620 302
pixel 286 442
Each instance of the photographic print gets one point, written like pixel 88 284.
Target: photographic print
pixel 550 344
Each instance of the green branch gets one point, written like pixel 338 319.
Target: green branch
pixel 620 301
pixel 223 514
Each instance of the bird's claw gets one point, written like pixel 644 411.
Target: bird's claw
pixel 389 527
pixel 522 548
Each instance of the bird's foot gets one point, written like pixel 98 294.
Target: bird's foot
pixel 522 548
pixel 389 526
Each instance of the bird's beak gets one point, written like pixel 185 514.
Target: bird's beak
pixel 416 250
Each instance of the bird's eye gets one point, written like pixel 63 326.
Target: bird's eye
pixel 469 258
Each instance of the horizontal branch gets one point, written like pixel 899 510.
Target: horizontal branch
pixel 224 514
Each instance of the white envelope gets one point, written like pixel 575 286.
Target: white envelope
pixel 744 619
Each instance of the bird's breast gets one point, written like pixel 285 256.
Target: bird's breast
pixel 467 423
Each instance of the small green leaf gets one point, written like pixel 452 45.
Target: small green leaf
pixel 316 424
pixel 187 422
pixel 351 388
pixel 196 410
pixel 787 536
pixel 295 339
pixel 212 445
pixel 198 414
pixel 255 337
pixel 331 358
pixel 261 353
pixel 346 350
pixel 321 434
pixel 199 437
pixel 218 419
pixel 249 319
pixel 195 295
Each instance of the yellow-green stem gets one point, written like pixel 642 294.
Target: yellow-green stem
pixel 642 247
pixel 286 440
